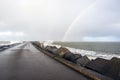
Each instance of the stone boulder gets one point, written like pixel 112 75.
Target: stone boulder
pixel 75 57
pixel 51 49
pixel 82 61
pixel 112 69
pixel 68 55
pixel 97 65
pixel 61 51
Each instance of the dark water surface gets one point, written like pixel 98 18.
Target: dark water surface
pixel 107 47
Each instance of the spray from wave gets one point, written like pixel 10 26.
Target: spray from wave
pixel 90 54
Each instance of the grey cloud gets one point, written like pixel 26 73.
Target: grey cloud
pixel 50 19
pixel 101 20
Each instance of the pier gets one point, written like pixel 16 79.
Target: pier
pixel 34 61
pixel 25 62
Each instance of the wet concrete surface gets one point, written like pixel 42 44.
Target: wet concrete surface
pixel 25 62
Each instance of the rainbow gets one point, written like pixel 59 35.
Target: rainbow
pixel 75 20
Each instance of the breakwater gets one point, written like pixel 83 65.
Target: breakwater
pixel 97 69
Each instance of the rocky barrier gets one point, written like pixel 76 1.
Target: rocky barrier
pixel 4 47
pixel 97 69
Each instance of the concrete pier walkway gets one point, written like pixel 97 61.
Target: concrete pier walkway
pixel 25 62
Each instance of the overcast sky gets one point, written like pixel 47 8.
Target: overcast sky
pixel 60 20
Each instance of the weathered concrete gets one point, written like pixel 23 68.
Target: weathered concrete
pixel 68 56
pixel 75 57
pixel 112 69
pixel 82 61
pixel 25 62
pixel 82 70
pixel 61 51
pixel 4 47
pixel 97 65
pixel 51 49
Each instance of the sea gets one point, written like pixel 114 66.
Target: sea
pixel 105 50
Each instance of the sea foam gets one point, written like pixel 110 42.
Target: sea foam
pixel 90 54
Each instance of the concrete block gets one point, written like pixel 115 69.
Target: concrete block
pixel 113 68
pixel 61 51
pixel 82 61
pixel 97 65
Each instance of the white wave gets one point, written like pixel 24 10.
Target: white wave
pixel 47 43
pixel 90 54
pixel 93 54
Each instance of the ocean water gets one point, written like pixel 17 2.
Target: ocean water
pixel 94 49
